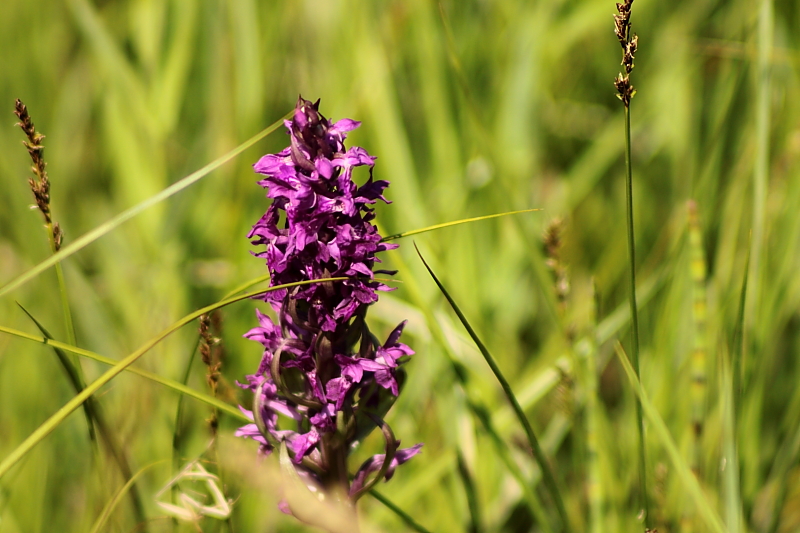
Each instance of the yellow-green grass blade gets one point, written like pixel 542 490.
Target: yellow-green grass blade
pixel 547 474
pixel 128 214
pixel 170 383
pixel 684 472
pixel 409 521
pixel 69 366
pixel 477 407
pixel 94 415
pixel 471 492
pixel 51 423
pixel 114 501
pixel 453 223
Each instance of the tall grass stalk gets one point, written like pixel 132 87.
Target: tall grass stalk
pixel 635 316
pixel 626 92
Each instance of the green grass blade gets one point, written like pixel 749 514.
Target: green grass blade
pixel 478 409
pixel 128 214
pixel 472 494
pixel 176 432
pixel 404 516
pixel 169 383
pixel 738 362
pixel 683 471
pixel 502 449
pixel 547 474
pixel 94 415
pixel 248 284
pixel 51 423
pixel 69 368
pixel 453 223
pixel 114 501
pixel 731 488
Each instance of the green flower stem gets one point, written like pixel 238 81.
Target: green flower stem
pixel 635 315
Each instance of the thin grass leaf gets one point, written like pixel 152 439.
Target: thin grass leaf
pixel 683 471
pixel 404 516
pixel 176 433
pixel 502 449
pixel 472 495
pixel 547 474
pixel 169 383
pixel 128 214
pixel 454 223
pixel 114 501
pixel 248 284
pixel 52 423
pixel 478 409
pixel 94 416
pixel 69 368
pixel 731 488
pixel 737 362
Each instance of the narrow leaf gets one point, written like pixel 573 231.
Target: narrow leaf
pixel 410 522
pixel 69 368
pixel 685 474
pixel 51 423
pixel 448 224
pixel 112 503
pixel 131 212
pixel 547 474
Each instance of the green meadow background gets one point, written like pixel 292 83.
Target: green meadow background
pixel 472 107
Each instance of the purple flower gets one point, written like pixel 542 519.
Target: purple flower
pixel 322 369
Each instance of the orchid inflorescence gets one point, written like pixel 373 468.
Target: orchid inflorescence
pixel 322 369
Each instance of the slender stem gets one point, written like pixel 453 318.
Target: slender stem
pixel 635 315
pixel 410 522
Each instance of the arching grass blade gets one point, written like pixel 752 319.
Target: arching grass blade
pixel 51 423
pixel 112 503
pixel 128 214
pixel 453 223
pixel 94 416
pixel 547 474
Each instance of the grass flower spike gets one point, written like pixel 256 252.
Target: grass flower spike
pixel 322 368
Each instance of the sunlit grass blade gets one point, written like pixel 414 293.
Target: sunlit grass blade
pixel 684 472
pixel 547 474
pixel 472 494
pixel 454 223
pixel 409 521
pixel 94 415
pixel 477 408
pixel 69 368
pixel 128 214
pixel 169 383
pixel 248 284
pixel 114 501
pixel 51 423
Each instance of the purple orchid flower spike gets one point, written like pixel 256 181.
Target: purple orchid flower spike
pixel 321 369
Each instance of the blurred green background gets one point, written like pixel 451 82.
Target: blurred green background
pixel 472 107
